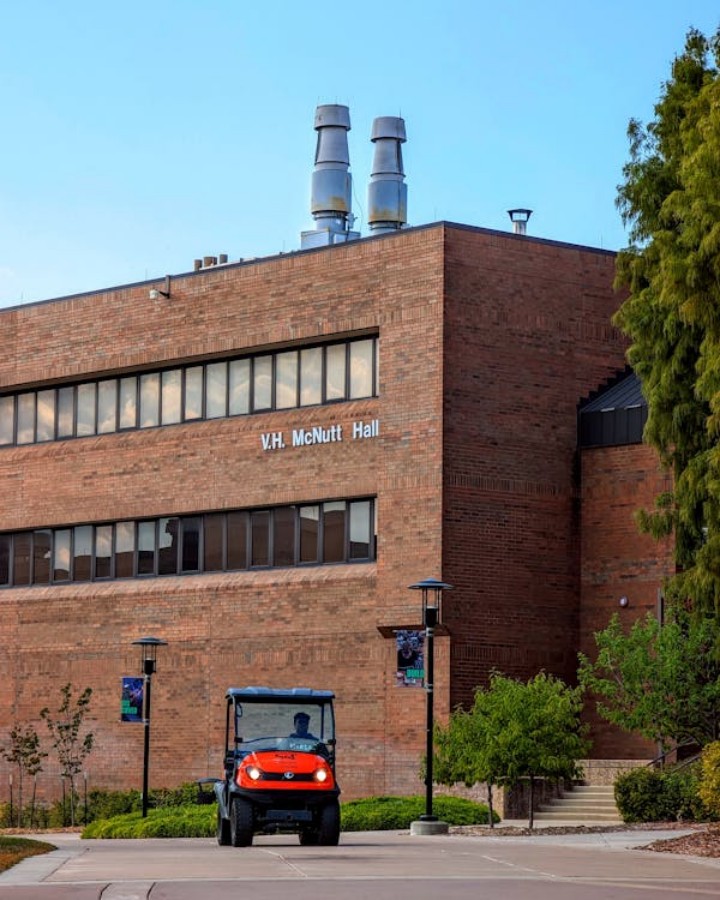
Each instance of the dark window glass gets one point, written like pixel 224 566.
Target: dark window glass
pixel 107 406
pixel 7 420
pixel 21 558
pixel 376 384
pixel 237 540
pixel 149 400
pixel 103 551
pixel 284 536
pixel 335 372
pixel 125 549
pixel 86 400
pixel 45 416
pixel 193 393
pixel 239 387
pixel 42 547
pixel 262 383
pixel 213 531
pixel 360 529
pixel 5 544
pixel 361 368
pixel 128 402
pixel 311 376
pixel 146 548
pixel 260 531
pixel 309 532
pixel 215 390
pixel 286 380
pixel 26 418
pixel 191 544
pixel 334 532
pixel 168 543
pixel 171 396
pixel 82 552
pixel 65 412
pixel 61 555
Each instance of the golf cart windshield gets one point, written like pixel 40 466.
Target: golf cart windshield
pixel 299 726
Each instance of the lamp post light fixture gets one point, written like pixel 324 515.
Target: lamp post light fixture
pixel 432 591
pixel 148 664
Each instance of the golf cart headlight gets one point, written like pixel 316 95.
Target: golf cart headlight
pixel 253 772
pixel 321 775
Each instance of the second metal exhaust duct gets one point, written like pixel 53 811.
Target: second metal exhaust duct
pixel 387 193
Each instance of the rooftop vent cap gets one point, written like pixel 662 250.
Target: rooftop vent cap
pixel 519 219
pixel 387 193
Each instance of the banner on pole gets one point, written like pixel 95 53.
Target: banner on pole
pixel 410 658
pixel 131 704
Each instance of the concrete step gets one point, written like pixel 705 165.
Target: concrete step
pixel 565 816
pixel 583 803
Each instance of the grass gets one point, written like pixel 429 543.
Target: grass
pixel 14 849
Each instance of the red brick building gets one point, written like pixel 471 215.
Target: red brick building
pixel 254 460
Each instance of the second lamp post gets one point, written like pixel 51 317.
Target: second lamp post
pixel 148 658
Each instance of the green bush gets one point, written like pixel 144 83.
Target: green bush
pixel 709 780
pixel 169 821
pixel 651 795
pixel 393 813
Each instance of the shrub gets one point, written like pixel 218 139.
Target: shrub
pixel 709 781
pixel 393 813
pixel 169 821
pixel 650 795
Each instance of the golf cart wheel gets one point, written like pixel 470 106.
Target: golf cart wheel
pixel 329 825
pixel 309 837
pixel 241 823
pixel 223 830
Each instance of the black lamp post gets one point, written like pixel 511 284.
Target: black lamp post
pixel 431 608
pixel 148 660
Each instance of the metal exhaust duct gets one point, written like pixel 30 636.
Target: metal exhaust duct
pixel 331 202
pixel 387 192
pixel 519 219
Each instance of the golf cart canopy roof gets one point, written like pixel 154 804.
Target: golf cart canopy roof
pixel 278 695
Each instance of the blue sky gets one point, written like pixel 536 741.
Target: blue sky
pixel 139 136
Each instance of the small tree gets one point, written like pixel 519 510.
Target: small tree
pixel 24 752
pixel 709 787
pixel 515 730
pixel 662 681
pixel 67 742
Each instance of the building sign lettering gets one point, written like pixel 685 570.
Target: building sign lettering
pixel 319 434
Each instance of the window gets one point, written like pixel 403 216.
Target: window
pixel 284 536
pixel 335 372
pixel 334 532
pixel 103 551
pixel 309 533
pixel 107 406
pixel 45 416
pixel 146 548
pixel 42 553
pixel 168 544
pixel 65 412
pixel 285 379
pixel 193 393
pixel 260 535
pixel 262 383
pixel 26 419
pixel 125 549
pixel 311 376
pixel 216 390
pixel 149 400
pixel 82 553
pixel 171 396
pixel 128 402
pixel 191 528
pixel 213 533
pixel 61 555
pixel 86 402
pixel 7 420
pixel 237 533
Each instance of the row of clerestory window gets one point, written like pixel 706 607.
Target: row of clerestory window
pixel 284 379
pixel 337 531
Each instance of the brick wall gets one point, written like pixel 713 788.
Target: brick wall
pixel 527 334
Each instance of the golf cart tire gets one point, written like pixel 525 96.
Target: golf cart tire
pixel 329 824
pixel 241 823
pixel 223 830
pixel 309 837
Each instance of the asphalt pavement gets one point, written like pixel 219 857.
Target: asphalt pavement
pixel 366 866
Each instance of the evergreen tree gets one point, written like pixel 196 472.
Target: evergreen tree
pixel 670 199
